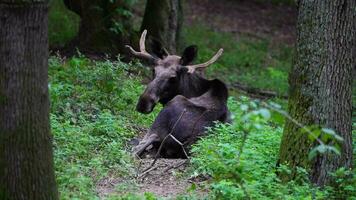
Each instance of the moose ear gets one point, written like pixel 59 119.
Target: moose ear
pixel 157 49
pixel 189 54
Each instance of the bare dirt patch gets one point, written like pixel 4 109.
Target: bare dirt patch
pixel 166 179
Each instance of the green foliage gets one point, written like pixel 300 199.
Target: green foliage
pixel 92 118
pixel 251 62
pixel 241 159
pixel 63 24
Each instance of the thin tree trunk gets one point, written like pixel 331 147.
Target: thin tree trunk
pixel 163 21
pixel 26 163
pixel 320 82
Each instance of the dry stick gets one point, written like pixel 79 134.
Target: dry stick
pixel 160 147
pixel 181 144
pixel 175 166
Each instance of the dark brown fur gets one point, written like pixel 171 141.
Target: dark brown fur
pixel 200 112
pixel 179 87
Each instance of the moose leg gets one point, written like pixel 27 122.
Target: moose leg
pixel 147 141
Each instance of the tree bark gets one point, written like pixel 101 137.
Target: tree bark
pixel 320 85
pixel 163 21
pixel 26 161
pixel 106 26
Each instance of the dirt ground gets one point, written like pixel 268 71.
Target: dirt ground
pixel 240 17
pixel 167 179
pixel 246 17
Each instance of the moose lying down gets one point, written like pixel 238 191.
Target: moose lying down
pixel 191 102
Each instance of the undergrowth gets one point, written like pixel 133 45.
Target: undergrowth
pixel 241 160
pixel 92 117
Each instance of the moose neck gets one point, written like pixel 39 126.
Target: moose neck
pixel 193 85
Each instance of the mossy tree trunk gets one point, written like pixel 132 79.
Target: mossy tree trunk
pixel 163 21
pixel 105 25
pixel 26 162
pixel 320 85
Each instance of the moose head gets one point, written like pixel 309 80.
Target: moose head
pixel 173 75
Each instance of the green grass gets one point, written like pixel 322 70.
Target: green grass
pixel 62 24
pixel 248 61
pixel 92 118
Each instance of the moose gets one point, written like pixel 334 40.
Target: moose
pixel 191 102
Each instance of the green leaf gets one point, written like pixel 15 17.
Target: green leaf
pixel 322 149
pixel 318 149
pixel 277 118
pixel 244 107
pixel 328 131
pixel 333 149
pixel 265 113
pixel 275 105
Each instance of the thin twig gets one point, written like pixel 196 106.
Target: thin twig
pixel 162 143
pixel 147 171
pixel 175 139
pixel 175 166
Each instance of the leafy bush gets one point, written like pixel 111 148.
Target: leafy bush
pixel 241 159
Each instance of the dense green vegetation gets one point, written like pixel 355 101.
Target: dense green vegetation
pixel 93 117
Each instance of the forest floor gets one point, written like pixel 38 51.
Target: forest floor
pixel 165 180
pixel 275 23
pixel 93 115
pixel 259 20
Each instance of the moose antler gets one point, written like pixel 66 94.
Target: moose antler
pixel 192 68
pixel 142 53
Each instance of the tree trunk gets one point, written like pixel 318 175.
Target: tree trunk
pixel 320 84
pixel 105 26
pixel 163 21
pixel 26 162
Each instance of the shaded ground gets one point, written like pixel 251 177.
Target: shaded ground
pixel 165 180
pixel 261 20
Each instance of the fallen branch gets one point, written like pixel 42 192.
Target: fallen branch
pixel 256 92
